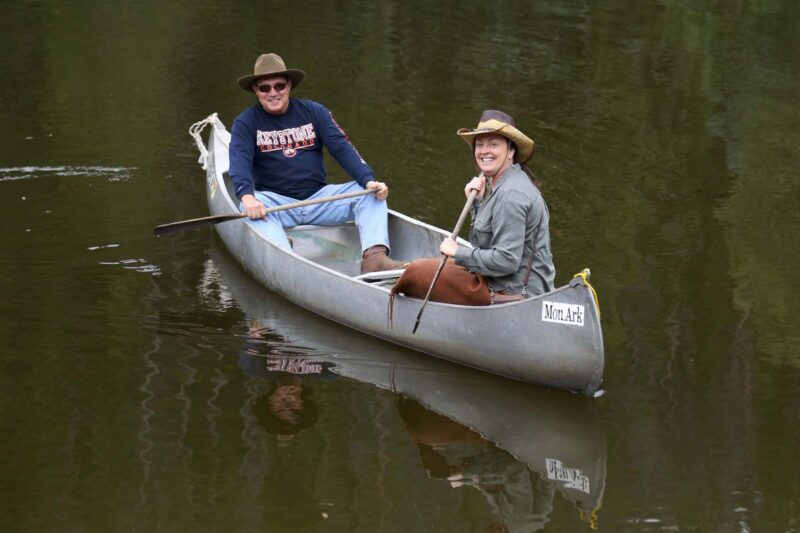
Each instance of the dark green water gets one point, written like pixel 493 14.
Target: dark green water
pixel 134 372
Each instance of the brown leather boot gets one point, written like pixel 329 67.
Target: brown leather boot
pixel 375 259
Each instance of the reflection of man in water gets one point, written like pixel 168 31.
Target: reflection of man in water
pixel 520 499
pixel 288 408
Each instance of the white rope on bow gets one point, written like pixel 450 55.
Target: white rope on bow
pixel 197 128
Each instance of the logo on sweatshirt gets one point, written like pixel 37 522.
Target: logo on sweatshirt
pixel 287 141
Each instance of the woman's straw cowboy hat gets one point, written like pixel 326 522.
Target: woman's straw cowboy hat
pixel 270 65
pixel 493 121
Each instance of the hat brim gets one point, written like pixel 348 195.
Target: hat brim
pixel 296 76
pixel 525 145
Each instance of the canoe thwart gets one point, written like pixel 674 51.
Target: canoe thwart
pixel 380 275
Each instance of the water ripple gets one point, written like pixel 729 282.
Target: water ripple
pixel 33 172
pixel 139 265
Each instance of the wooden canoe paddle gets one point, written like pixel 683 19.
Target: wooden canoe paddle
pixel 195 223
pixel 453 235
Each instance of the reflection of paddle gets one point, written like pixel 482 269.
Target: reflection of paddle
pixel 453 235
pixel 216 219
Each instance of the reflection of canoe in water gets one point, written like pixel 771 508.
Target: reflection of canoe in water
pixel 553 339
pixel 555 435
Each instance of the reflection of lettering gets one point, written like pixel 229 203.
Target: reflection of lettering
pixel 571 477
pixel 293 366
pixel 571 314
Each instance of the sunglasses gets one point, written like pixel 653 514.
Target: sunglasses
pixel 266 88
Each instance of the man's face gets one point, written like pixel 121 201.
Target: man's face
pixel 286 403
pixel 273 93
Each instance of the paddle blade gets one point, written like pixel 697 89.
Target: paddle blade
pixel 194 223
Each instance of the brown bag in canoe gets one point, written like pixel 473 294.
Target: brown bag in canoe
pixel 456 284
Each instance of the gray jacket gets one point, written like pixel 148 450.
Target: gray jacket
pixel 505 222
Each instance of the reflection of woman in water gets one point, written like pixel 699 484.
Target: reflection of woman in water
pixel 519 498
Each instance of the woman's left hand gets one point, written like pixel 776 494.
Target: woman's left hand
pixel 448 247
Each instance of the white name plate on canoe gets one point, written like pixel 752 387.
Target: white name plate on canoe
pixel 572 477
pixel 571 314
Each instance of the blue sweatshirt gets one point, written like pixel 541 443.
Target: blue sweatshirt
pixel 283 153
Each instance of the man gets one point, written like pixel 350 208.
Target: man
pixel 276 159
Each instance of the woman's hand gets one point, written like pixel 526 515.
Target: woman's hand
pixel 380 189
pixel 448 247
pixel 477 183
pixel 254 209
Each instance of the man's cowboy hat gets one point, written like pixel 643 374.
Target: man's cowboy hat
pixel 497 122
pixel 270 65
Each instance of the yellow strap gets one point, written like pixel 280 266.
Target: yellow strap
pixel 585 275
pixel 592 518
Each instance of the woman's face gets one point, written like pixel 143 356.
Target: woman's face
pixel 493 154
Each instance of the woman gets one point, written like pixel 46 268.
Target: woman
pixel 510 231
pixel 510 255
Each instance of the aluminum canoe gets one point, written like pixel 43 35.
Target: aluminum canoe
pixel 554 339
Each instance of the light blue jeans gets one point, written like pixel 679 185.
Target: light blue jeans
pixel 369 214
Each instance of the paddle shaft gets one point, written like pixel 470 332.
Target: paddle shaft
pixel 216 219
pixel 453 235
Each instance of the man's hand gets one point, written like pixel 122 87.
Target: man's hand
pixel 380 189
pixel 254 209
pixel 477 184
